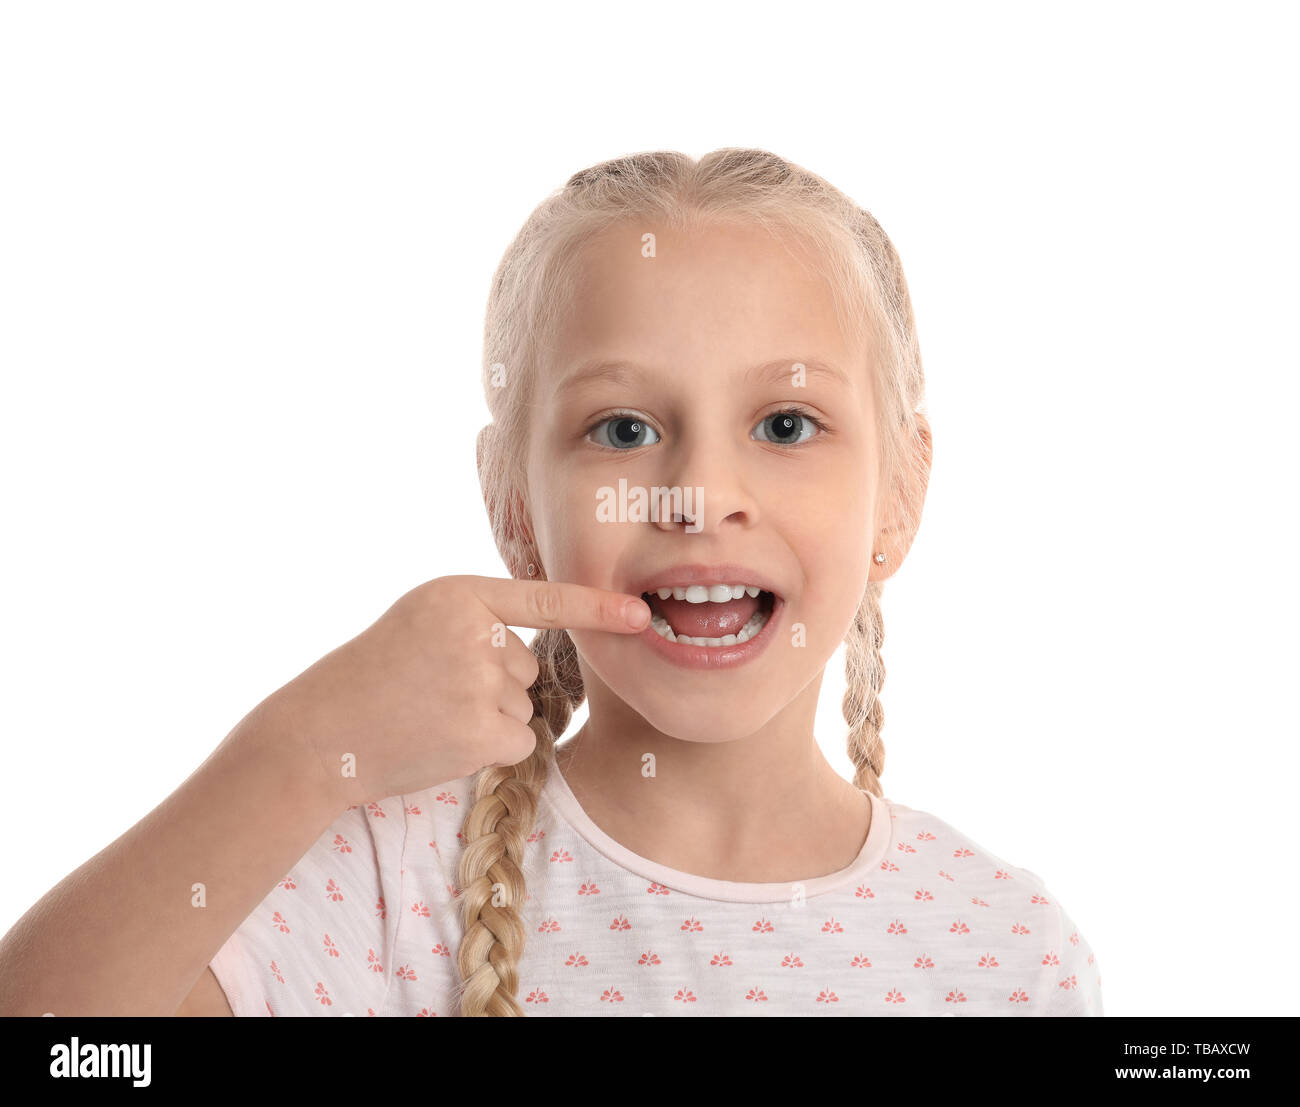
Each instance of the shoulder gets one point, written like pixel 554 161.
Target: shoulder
pixel 318 941
pixel 916 833
pixel 435 820
pixel 979 893
pixel 923 844
pixel 442 806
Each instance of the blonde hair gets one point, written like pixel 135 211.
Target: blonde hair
pixel 531 289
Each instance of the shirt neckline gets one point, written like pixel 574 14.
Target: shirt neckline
pixel 557 791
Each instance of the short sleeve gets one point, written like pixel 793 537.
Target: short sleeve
pixel 1073 973
pixel 319 942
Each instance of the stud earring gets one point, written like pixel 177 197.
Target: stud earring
pixel 880 559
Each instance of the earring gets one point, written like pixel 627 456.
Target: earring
pixel 880 559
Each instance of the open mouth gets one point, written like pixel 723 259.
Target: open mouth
pixel 709 615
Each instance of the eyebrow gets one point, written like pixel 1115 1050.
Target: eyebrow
pixel 770 372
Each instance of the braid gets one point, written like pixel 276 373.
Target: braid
pixel 495 832
pixel 864 671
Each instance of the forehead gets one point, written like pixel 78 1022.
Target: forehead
pixel 721 292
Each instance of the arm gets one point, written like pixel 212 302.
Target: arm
pixel 120 935
pixel 206 1000
pixel 1074 983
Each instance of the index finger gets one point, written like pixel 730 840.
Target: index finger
pixel 557 604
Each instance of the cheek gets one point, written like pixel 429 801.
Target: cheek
pixel 579 547
pixel 830 604
pixel 834 555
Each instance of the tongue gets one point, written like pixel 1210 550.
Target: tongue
pixel 705 620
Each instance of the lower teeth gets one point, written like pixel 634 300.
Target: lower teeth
pixel 747 632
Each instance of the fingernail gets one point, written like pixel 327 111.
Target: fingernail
pixel 638 614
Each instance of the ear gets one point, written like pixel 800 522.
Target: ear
pixel 520 545
pixel 523 545
pixel 895 536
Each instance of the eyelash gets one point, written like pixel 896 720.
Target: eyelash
pixel 792 409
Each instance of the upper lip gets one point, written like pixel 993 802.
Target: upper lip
pixel 681 576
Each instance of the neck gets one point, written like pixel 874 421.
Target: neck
pixel 763 808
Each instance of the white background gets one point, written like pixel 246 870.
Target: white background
pixel 244 258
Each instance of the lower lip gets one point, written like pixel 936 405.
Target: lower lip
pixel 715 657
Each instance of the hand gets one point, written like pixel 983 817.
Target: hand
pixel 437 687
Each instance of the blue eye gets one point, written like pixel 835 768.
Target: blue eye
pixel 789 425
pixel 625 431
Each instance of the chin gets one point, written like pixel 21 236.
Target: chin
pixel 690 706
pixel 704 719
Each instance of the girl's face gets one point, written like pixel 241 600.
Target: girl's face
pixel 796 502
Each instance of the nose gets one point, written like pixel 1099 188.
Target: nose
pixel 707 491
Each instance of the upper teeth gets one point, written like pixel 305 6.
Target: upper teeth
pixel 714 593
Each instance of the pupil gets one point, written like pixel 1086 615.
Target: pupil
pixel 634 429
pixel 785 425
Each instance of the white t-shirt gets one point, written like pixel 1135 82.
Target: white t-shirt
pixel 923 922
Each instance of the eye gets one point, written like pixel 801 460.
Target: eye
pixel 626 430
pixel 789 425
pixel 623 430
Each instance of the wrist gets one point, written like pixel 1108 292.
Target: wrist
pixel 280 746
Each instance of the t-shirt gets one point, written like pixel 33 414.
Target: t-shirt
pixel 923 922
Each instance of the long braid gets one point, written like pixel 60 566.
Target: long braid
pixel 496 831
pixel 864 672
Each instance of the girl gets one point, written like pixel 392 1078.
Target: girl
pixel 705 389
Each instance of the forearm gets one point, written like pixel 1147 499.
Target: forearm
pixel 127 933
